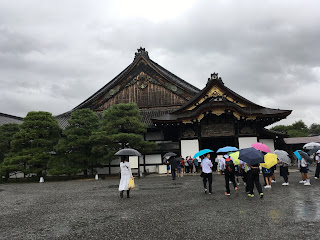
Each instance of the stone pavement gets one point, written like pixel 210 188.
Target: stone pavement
pixel 159 208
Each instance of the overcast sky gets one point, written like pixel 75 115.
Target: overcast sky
pixel 56 54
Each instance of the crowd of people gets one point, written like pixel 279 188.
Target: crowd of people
pixel 232 172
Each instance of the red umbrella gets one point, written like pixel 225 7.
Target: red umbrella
pixel 262 147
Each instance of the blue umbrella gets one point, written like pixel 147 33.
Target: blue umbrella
pixel 298 154
pixel 227 149
pixel 202 152
pixel 251 156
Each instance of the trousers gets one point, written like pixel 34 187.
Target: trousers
pixel 207 177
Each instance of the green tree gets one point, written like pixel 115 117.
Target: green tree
pixel 297 129
pixel 32 146
pixel 74 149
pixel 314 129
pixel 121 127
pixel 7 131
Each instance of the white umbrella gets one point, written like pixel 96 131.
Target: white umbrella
pixel 311 145
pixel 283 156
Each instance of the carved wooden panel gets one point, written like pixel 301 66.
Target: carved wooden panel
pixel 217 130
pixel 152 95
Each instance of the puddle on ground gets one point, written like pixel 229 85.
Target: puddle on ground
pixel 307 208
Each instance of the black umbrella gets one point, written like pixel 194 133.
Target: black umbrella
pixel 251 156
pixel 128 152
pixel 305 156
pixel 314 150
pixel 168 155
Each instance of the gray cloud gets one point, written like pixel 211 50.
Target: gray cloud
pixel 54 55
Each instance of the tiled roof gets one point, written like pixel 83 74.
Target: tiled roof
pixel 6 118
pixel 302 140
pixel 146 114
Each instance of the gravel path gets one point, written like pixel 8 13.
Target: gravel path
pixel 159 208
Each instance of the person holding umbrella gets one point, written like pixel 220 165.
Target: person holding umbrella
pixel 173 163
pixel 317 159
pixel 206 166
pixel 229 169
pixel 303 165
pixel 126 175
pixel 253 158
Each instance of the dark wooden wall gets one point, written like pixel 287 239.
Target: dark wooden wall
pixel 147 97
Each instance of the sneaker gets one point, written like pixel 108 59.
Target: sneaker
pixel 307 184
pixel 244 184
pixel 236 189
pixel 205 190
pixel 267 186
pixel 261 195
pixel 285 184
pixel 315 178
pixel 210 193
pixel 302 181
pixel 227 194
pixel 250 195
pixel 273 181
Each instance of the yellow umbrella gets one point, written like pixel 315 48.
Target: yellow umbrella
pixel 270 160
pixel 235 157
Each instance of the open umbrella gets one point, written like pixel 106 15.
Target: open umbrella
pixel 227 149
pixel 235 156
pixel 260 146
pixel 305 156
pixel 251 156
pixel 202 152
pixel 168 155
pixel 283 156
pixel 297 154
pixel 270 160
pixel 311 145
pixel 128 152
pixel 313 150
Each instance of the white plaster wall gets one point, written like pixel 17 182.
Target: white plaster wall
pixel 189 147
pixel 269 143
pixel 153 159
pixel 245 142
pixel 134 161
pixel 151 169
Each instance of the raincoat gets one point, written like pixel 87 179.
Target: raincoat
pixel 126 175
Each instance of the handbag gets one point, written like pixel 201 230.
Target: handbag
pixel 131 184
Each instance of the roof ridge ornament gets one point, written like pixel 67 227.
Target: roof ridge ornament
pixel 141 52
pixel 214 76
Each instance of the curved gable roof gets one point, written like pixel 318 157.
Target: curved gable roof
pixel 143 56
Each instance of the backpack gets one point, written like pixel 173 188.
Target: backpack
pixel 229 164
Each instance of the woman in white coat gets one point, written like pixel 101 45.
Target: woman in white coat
pixel 126 175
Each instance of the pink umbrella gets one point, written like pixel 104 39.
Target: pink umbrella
pixel 262 147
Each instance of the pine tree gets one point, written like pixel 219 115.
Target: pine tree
pixel 7 131
pixel 74 149
pixel 32 146
pixel 121 127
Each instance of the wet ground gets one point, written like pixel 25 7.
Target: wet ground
pixel 159 208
